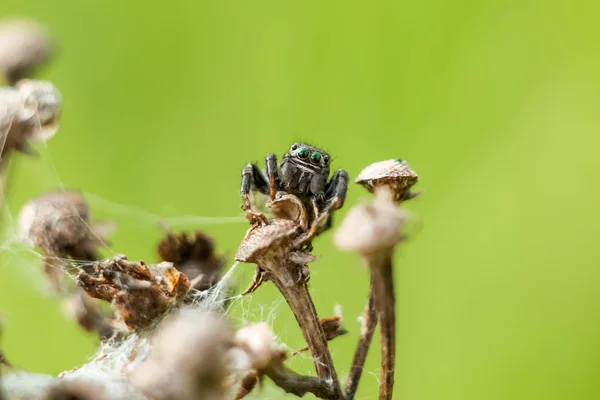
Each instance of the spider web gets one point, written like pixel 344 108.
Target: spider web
pixel 115 356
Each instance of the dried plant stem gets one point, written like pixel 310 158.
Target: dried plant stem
pixel 300 302
pixel 364 342
pixel 385 304
pixel 299 385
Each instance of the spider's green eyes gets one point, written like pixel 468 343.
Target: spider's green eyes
pixel 315 157
pixel 303 152
pixel 294 146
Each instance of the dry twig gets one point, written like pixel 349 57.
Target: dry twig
pixel 362 347
pixel 273 247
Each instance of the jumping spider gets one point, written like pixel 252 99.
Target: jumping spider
pixel 303 172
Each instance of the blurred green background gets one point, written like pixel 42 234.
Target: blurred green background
pixel 493 103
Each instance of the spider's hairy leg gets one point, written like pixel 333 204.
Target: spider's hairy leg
pixel 273 175
pixel 335 194
pixel 336 190
pixel 252 177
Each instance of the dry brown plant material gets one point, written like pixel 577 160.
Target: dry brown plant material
pixel 86 311
pixel 188 358
pixel 332 328
pixel 276 248
pixel 267 359
pixel 369 323
pixel 29 113
pixel 140 294
pixel 59 224
pixel 373 230
pixel 194 255
pixel 24 46
pixel 391 181
pixel 394 175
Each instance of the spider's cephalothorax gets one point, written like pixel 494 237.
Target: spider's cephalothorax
pixel 304 172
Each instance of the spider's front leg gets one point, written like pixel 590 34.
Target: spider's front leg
pixel 336 190
pixel 252 178
pixel 335 194
pixel 335 197
pixel 273 175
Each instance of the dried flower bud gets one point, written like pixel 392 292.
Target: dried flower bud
pixel 140 294
pixel 59 224
pixel 188 358
pixel 332 327
pixel 258 341
pixel 24 45
pixel 368 228
pixel 55 221
pixel 393 174
pixel 194 255
pixel 262 240
pixel 288 206
pixel 48 102
pixel 16 116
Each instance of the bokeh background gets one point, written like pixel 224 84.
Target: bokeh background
pixel 493 103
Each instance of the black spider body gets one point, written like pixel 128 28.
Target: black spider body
pixel 304 172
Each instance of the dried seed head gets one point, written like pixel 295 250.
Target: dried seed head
pixel 258 341
pixel 188 358
pixel 59 223
pixel 332 326
pixel 369 228
pixel 14 106
pixel 140 294
pixel 16 114
pixel 24 45
pixel 288 206
pixel 48 101
pixel 28 113
pixel 55 221
pixel 394 174
pixel 194 255
pixel 268 240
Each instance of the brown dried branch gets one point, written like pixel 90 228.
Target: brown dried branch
pixel 267 359
pixel 373 230
pixel 299 385
pixel 272 246
pixel 362 348
pixel 140 294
